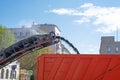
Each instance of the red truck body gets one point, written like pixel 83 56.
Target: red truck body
pixel 78 67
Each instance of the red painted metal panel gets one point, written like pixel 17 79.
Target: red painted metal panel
pixel 78 67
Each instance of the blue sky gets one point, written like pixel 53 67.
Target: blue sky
pixel 82 22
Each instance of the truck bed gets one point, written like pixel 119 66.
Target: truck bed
pixel 78 67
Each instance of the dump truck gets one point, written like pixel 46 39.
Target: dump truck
pixel 78 67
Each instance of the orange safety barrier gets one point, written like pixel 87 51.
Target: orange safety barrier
pixel 78 67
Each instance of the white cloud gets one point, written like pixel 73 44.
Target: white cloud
pixel 82 20
pixel 63 11
pixel 86 5
pixel 106 17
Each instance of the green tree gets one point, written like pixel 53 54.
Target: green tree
pixel 6 37
pixel 29 60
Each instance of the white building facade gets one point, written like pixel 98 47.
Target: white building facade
pixel 10 72
pixel 22 33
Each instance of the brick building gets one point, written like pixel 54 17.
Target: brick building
pixel 109 45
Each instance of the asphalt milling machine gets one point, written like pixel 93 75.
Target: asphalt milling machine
pixel 24 46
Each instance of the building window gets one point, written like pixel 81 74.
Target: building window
pixel 116 48
pixel 7 74
pixel 11 74
pixel 2 73
pixel 108 49
pixel 21 34
pixel 14 75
